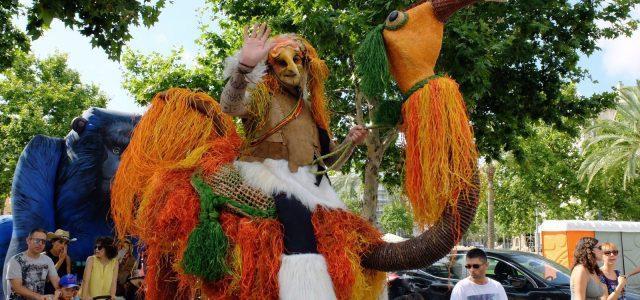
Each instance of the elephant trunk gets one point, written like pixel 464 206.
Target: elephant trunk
pixel 431 245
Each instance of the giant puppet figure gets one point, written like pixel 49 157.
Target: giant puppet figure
pixel 251 215
pixel 65 182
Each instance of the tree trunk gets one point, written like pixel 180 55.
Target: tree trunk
pixel 371 183
pixel 376 144
pixel 490 169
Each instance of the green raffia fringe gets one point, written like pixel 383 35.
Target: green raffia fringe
pixel 372 64
pixel 206 253
pixel 420 84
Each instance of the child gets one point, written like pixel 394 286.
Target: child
pixel 68 288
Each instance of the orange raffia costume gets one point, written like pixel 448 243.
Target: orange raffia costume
pixel 167 191
pixel 206 231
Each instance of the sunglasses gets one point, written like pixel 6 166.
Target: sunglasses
pixel 99 247
pixel 38 241
pixel 612 252
pixel 473 266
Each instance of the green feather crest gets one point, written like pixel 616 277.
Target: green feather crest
pixel 372 64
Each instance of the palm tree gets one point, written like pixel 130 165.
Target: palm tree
pixel 614 145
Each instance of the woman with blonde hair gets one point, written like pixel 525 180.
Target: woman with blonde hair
pixel 611 277
pixel 585 283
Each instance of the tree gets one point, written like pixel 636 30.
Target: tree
pixel 545 181
pixel 512 61
pixel 396 218
pixel 614 145
pixel 38 97
pixel 490 171
pixel 348 186
pixel 105 22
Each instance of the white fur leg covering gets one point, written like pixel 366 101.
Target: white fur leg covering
pixel 305 276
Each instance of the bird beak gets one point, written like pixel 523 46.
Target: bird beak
pixel 444 9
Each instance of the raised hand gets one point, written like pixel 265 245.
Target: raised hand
pixel 63 254
pixel 256 44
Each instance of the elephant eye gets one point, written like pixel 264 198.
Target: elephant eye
pixel 395 20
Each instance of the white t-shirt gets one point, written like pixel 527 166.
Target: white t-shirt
pixel 466 289
pixel 33 272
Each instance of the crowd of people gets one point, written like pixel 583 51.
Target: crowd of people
pixel 45 270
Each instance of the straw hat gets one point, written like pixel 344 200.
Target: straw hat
pixel 60 234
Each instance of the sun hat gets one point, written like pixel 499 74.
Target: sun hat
pixel 60 234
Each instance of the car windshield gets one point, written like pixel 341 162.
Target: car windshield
pixel 546 269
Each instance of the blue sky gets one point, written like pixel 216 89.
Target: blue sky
pixel 179 25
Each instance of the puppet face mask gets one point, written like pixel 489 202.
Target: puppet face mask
pixel 286 63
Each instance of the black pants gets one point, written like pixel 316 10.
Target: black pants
pixel 299 237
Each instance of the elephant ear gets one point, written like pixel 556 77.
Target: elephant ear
pixel 33 189
pixel 34 181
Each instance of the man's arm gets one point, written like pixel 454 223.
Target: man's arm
pixel 232 99
pixel 18 288
pixel 255 47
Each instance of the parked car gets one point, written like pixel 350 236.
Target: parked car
pixel 523 276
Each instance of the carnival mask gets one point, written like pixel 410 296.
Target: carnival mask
pixel 286 62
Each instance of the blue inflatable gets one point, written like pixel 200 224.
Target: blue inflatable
pixel 65 183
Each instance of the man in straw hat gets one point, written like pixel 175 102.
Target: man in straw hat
pixel 57 251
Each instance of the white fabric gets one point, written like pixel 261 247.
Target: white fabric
pixel 305 276
pixel 601 226
pixel 466 289
pixel 255 76
pixel 273 176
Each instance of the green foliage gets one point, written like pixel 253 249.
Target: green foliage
pixel 38 97
pixel 396 218
pixel 107 23
pixel 513 61
pixel 348 186
pixel 12 39
pixel 545 181
pixel 614 145
pixel 149 74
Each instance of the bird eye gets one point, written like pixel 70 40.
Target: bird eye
pixel 395 20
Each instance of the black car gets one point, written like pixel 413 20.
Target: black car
pixel 523 276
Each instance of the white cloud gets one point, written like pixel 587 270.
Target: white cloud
pixel 620 56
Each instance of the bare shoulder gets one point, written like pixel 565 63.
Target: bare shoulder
pixel 579 272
